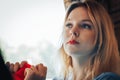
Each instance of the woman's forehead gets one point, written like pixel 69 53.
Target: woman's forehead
pixel 78 13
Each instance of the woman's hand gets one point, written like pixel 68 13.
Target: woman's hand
pixel 37 72
pixel 15 67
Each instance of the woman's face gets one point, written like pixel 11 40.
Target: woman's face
pixel 79 33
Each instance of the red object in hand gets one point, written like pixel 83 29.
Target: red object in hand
pixel 19 75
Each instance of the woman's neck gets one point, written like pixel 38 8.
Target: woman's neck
pixel 78 65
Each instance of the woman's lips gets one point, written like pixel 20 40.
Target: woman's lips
pixel 72 42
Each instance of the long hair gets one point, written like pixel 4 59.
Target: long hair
pixel 106 57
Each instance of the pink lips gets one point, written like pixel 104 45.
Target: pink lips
pixel 73 42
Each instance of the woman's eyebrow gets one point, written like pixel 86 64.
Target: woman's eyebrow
pixel 87 20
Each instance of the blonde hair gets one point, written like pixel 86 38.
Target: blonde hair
pixel 106 58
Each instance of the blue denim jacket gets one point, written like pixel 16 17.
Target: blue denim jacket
pixel 103 76
pixel 108 76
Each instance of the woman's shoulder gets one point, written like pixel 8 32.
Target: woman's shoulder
pixel 108 76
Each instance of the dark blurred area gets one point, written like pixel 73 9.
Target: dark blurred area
pixel 113 8
pixel 4 72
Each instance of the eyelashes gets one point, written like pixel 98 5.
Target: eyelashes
pixel 69 25
pixel 85 26
pixel 82 25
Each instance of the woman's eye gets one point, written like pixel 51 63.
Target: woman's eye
pixel 69 25
pixel 86 26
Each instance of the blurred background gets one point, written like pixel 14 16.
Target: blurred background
pixel 30 30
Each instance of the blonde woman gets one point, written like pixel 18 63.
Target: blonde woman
pixel 89 50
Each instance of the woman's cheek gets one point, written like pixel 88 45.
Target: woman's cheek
pixel 65 35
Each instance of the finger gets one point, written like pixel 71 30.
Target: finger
pixel 16 66
pixel 28 74
pixel 22 63
pixel 12 67
pixel 41 67
pixel 31 70
pixel 27 70
pixel 42 70
pixel 8 65
pixel 34 69
pixel 41 64
pixel 45 71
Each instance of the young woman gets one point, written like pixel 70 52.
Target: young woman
pixel 89 45
pixel 89 49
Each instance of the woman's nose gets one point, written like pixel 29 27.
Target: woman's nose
pixel 74 31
